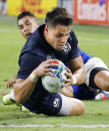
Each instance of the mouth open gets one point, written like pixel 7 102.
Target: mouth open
pixel 61 46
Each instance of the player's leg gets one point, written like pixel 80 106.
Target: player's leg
pixel 83 92
pixel 67 91
pixel 56 104
pixel 9 98
pixel 71 107
pixel 97 75
pixel 101 79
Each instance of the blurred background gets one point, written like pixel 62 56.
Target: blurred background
pixel 83 11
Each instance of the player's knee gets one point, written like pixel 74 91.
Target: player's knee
pixel 71 107
pixel 81 108
pixel 78 109
pixel 105 86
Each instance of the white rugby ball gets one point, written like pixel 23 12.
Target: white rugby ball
pixel 54 84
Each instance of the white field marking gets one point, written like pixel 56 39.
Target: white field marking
pixel 79 38
pixel 94 40
pixel 61 125
pixel 8 31
pixel 85 126
pixel 25 126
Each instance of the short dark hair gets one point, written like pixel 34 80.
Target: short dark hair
pixel 25 13
pixel 58 16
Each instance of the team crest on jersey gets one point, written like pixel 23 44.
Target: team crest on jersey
pixel 67 48
pixel 56 103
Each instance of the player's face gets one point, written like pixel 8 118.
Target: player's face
pixel 27 26
pixel 58 36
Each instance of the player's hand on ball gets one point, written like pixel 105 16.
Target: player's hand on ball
pixel 54 84
pixel 44 68
pixel 68 79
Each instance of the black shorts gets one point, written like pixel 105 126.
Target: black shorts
pixel 48 105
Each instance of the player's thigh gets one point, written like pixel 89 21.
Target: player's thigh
pixel 90 66
pixel 71 107
pixel 102 80
pixel 49 104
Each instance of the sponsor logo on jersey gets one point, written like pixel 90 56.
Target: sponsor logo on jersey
pixel 67 48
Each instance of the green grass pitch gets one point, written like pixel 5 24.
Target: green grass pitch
pixel 92 39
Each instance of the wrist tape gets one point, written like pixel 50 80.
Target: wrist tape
pixel 74 78
pixel 33 77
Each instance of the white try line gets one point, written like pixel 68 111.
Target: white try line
pixel 61 125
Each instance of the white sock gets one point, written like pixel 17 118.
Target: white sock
pixel 12 95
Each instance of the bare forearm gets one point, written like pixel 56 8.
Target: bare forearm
pixel 80 75
pixel 23 90
pixel 78 71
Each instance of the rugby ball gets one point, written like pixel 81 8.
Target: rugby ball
pixel 54 84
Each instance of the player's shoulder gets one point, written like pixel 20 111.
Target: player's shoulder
pixel 72 37
pixel 72 40
pixel 33 44
pixel 72 33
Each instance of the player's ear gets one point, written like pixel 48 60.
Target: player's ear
pixel 37 22
pixel 46 28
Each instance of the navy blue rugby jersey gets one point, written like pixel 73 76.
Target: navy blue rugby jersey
pixel 36 50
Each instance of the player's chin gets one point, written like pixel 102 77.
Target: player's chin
pixel 26 37
pixel 60 48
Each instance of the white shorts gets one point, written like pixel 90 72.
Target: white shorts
pixel 90 65
pixel 66 106
pixel 69 104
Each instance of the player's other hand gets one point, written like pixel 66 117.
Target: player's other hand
pixel 11 82
pixel 44 69
pixel 68 81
